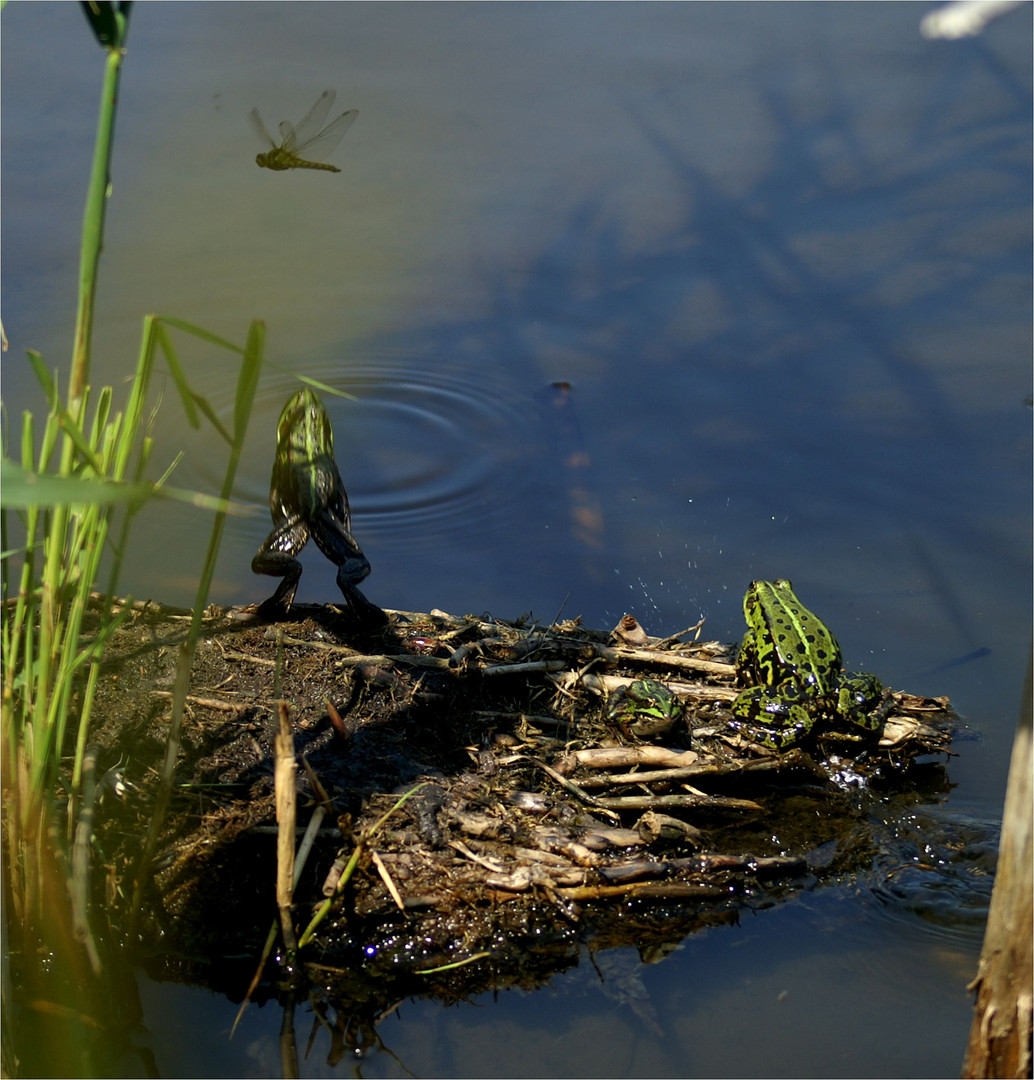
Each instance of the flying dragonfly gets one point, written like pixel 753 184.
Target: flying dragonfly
pixel 302 147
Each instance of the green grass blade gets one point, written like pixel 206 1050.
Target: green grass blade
pixel 247 380
pixel 324 388
pixel 93 222
pixel 199 332
pixel 48 383
pixel 214 420
pixel 137 400
pixel 179 378
pixel 20 487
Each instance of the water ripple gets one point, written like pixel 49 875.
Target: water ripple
pixel 425 449
pixel 937 874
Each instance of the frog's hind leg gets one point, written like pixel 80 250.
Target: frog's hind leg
pixel 276 558
pixel 777 718
pixel 338 544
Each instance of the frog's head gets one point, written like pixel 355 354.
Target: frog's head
pixel 645 697
pixel 757 591
pixel 304 432
pixel 859 692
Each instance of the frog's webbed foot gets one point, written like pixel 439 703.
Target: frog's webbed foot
pixel 780 739
pixel 368 613
pixel 277 607
pixel 279 604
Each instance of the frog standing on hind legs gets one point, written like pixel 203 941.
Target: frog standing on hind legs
pixel 307 498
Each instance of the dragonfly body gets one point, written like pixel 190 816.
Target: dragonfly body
pixel 302 147
pixel 278 158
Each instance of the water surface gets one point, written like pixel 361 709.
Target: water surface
pixel 781 254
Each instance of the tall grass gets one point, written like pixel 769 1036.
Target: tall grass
pixel 75 486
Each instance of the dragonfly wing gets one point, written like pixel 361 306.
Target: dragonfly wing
pixel 312 121
pixel 288 139
pixel 319 146
pixel 260 128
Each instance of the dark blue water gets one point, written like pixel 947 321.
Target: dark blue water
pixel 782 255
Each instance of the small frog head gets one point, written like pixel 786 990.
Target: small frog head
pixel 646 706
pixel 861 699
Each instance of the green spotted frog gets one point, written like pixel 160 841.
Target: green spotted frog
pixel 792 666
pixel 645 707
pixel 307 498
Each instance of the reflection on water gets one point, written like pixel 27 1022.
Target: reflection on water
pixel 821 967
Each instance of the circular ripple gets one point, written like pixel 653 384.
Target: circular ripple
pixel 423 449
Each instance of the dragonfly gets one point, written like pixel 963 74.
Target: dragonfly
pixel 302 146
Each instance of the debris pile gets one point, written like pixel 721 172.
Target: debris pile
pixel 478 777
